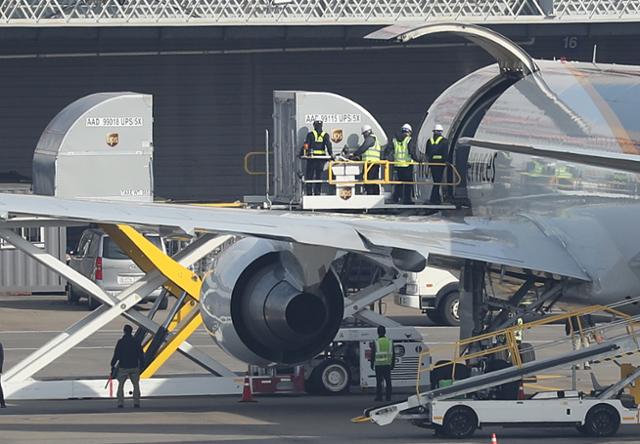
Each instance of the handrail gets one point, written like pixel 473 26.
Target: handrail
pixel 505 339
pixel 386 164
pixel 249 156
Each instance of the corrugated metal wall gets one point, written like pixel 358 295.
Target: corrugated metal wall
pixel 21 274
pixel 212 109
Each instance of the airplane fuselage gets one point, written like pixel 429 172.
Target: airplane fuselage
pixel 591 211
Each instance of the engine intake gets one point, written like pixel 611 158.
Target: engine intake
pixel 263 307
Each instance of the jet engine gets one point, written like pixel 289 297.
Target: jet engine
pixel 272 302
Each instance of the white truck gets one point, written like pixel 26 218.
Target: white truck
pixel 435 292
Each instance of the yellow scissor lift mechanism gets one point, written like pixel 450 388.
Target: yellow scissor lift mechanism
pixel 505 341
pixel 179 279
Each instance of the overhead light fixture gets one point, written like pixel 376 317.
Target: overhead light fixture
pixel 281 2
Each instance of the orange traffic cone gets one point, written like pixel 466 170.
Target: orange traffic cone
pixel 247 396
pixel 494 440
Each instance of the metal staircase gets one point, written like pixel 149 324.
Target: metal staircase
pixel 308 12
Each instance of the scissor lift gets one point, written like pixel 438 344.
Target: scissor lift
pixel 160 269
pixel 344 181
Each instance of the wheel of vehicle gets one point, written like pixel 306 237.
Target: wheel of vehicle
pixel 434 316
pixel 448 309
pixel 92 303
pixel 602 420
pixel 72 298
pixel 459 422
pixel 333 376
pixel 581 429
pixel 311 384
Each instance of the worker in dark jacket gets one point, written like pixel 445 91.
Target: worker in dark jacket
pixel 383 358
pixel 437 153
pixel 129 358
pixel 2 403
pixel 370 152
pixel 401 151
pixel 316 144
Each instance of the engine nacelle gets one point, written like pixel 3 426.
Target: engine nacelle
pixel 265 302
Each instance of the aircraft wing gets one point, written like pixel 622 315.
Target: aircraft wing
pixel 519 242
pixel 605 159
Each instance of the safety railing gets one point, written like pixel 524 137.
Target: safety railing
pixel 505 340
pixel 386 168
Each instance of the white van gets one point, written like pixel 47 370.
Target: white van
pixel 101 260
pixel 435 292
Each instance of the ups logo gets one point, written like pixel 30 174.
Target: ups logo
pixel 337 135
pixel 113 139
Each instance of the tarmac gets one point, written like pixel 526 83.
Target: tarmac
pixel 27 322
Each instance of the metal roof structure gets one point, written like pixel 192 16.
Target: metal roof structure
pixel 309 12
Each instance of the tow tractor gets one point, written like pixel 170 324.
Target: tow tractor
pixel 481 388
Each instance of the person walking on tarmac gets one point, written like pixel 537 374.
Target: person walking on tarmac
pixel 317 143
pixel 370 151
pixel 2 403
pixel 129 358
pixel 383 358
pixel 437 152
pixel 400 150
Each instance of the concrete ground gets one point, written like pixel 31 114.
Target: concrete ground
pixel 28 322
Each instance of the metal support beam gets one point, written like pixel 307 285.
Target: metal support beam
pixel 114 306
pixel 307 12
pixel 367 296
pixel 376 319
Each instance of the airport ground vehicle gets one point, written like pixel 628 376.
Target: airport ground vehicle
pixel 100 259
pixel 435 292
pixel 345 364
pixel 590 415
pixel 484 386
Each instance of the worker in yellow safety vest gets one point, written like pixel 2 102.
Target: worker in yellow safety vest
pixel 317 144
pixel 370 151
pixel 382 361
pixel 400 151
pixel 437 153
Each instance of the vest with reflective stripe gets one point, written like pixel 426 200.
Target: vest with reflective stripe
pixel 383 352
pixel 401 152
pixel 318 148
pixel 372 153
pixel 436 142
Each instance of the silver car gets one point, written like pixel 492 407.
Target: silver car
pixel 100 259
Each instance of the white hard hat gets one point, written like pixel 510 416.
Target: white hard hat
pixel 365 129
pixel 407 128
pixel 438 127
